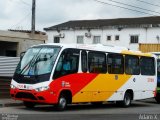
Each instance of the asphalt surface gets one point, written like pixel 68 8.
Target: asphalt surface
pixel 8 102
pixel 139 110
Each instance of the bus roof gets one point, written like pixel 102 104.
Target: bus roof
pixel 99 47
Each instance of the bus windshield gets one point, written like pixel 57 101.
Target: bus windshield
pixel 38 61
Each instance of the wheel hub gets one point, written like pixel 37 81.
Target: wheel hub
pixel 62 102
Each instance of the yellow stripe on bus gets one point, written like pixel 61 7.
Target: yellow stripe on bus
pixel 136 53
pixel 101 88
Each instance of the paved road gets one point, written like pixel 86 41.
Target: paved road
pixel 147 109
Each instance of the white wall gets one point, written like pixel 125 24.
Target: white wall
pixel 151 36
pixel 146 35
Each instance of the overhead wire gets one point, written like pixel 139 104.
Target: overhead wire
pixel 134 6
pixel 22 20
pixel 148 3
pixel 22 2
pixel 25 17
pixel 124 7
pixel 25 3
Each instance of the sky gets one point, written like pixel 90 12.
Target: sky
pixel 16 14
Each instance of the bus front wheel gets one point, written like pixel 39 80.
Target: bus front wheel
pixel 62 103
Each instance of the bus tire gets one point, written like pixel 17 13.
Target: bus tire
pixel 62 103
pixel 157 98
pixel 126 100
pixel 29 104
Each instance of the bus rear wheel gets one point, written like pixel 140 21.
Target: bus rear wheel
pixel 62 103
pixel 126 101
pixel 29 104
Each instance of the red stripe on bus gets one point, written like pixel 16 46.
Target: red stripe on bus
pixel 74 82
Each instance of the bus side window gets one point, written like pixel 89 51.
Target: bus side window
pixel 67 63
pixel 132 65
pixel 97 62
pixel 115 63
pixel 147 66
pixel 84 61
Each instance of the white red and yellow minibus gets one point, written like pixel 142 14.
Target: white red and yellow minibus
pixel 62 74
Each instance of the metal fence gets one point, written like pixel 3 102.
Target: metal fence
pixel 8 66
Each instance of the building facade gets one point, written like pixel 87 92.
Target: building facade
pixel 13 42
pixel 126 32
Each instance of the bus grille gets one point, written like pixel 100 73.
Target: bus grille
pixel 25 95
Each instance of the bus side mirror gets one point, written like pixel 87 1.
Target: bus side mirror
pixel 22 54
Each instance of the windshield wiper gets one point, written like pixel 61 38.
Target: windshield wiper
pixel 29 64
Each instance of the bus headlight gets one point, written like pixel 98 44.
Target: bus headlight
pixel 42 88
pixel 12 86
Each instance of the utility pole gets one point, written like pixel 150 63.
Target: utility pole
pixel 33 16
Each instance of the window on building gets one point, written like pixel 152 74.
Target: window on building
pixel 115 63
pixel 97 62
pixel 109 37
pixel 8 48
pixel 84 61
pixel 147 66
pixel 80 39
pixel 56 39
pixel 96 39
pixel 117 37
pixel 134 39
pixel 132 65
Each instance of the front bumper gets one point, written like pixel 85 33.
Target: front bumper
pixel 46 97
